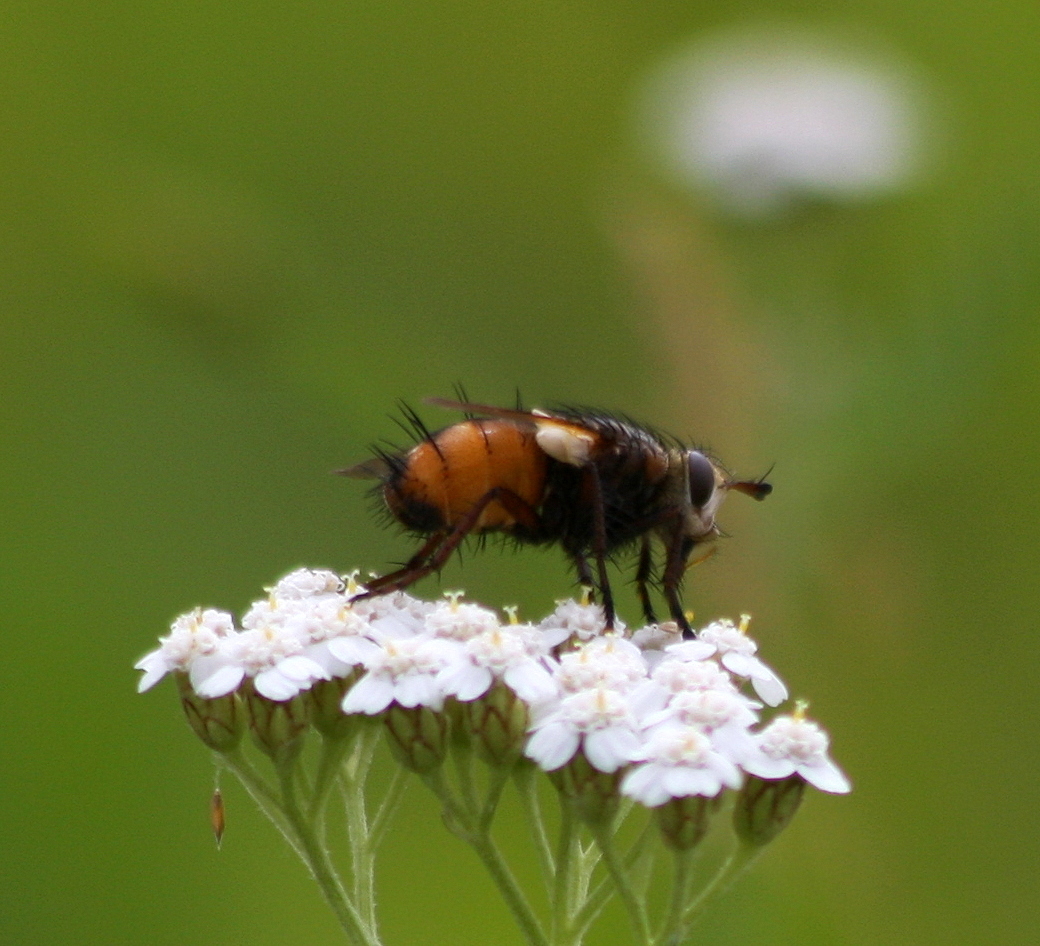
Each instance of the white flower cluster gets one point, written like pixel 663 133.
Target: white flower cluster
pixel 674 714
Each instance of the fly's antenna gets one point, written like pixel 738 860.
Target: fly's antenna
pixel 757 489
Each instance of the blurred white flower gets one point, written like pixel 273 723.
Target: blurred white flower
pixel 763 119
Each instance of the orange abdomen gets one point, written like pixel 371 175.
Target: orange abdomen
pixel 442 480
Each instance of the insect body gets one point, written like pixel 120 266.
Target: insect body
pixel 594 483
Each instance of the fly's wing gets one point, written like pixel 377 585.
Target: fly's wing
pixel 563 439
pixel 374 468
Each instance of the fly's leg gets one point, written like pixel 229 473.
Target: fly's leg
pixel 678 552
pixel 643 572
pixel 599 542
pixel 439 547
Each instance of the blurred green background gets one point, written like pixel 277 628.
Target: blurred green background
pixel 234 233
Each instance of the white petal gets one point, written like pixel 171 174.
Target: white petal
pixel 691 650
pixel 353 650
pixel 273 685
pixel 768 768
pixel 530 681
pixel 418 689
pixel 465 681
pixel 552 746
pixel 301 669
pixel 826 776
pixel 644 785
pixel 771 689
pixel 155 668
pixel 609 749
pixel 371 694
pixel 742 665
pixel 220 682
pixel 647 698
pixel 682 780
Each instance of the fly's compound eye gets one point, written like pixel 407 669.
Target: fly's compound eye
pixel 702 479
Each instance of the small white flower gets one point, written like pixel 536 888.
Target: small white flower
pixel 273 655
pixel 307 583
pixel 403 670
pixel 599 721
pixel 791 744
pixel 500 653
pixel 194 645
pixel 736 652
pixel 678 761
pixel 677 675
pixel 571 619
pixel 653 639
pixel 459 621
pixel 725 716
pixel 608 660
pixel 394 615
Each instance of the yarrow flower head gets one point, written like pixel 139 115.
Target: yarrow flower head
pixel 672 725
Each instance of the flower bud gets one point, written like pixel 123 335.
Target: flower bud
pixel 765 807
pixel 497 723
pixel 278 727
pixel 593 794
pixel 218 722
pixel 685 821
pixel 417 736
pixel 325 699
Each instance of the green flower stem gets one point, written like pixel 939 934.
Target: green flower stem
pixel 496 866
pixel 527 787
pixel 362 843
pixel 633 904
pixel 603 891
pixel 317 860
pixel 563 892
pixel 496 785
pixel 462 756
pixel 362 854
pixel 332 752
pixel 673 929
pixel 738 862
pixel 388 806
pixel 588 859
pixel 463 821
